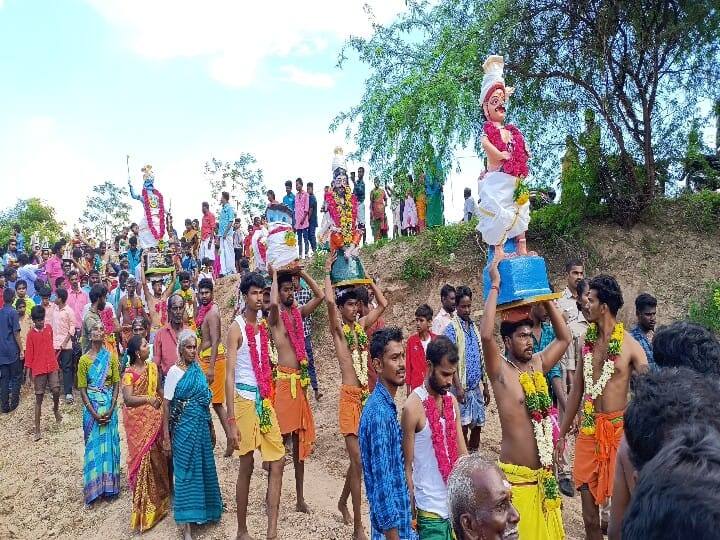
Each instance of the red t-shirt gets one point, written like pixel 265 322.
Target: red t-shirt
pixel 39 351
pixel 415 363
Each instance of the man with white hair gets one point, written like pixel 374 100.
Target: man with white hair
pixel 480 501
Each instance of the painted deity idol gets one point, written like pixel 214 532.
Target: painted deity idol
pixel 504 210
pixel 152 223
pixel 342 207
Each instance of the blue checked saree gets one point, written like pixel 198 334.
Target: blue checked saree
pixel 197 492
pixel 101 468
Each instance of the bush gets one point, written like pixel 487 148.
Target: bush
pixel 706 310
pixel 702 210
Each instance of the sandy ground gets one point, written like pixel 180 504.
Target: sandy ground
pixel 41 483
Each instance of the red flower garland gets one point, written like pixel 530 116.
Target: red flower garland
pixel 296 332
pixel 203 310
pixel 517 164
pixel 161 308
pixel 334 212
pixel 445 447
pixel 261 362
pixel 148 216
pixel 106 316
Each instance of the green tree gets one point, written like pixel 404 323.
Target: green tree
pixel 33 216
pixel 242 179
pixel 641 67
pixel 106 210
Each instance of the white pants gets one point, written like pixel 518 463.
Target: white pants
pixel 207 249
pixel 227 255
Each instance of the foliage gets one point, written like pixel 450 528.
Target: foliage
pixel 33 215
pixel 437 245
pixel 316 268
pixel 701 210
pixel 242 180
pixel 640 66
pixel 698 170
pixel 106 210
pixel 706 310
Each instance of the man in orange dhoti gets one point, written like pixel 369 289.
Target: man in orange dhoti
pixel 285 320
pixel 610 356
pixel 351 348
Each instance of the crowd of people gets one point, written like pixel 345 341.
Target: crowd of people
pixel 147 345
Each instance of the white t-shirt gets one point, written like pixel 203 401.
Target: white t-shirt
pixel 425 343
pixel 173 376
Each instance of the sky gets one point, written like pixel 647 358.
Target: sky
pixel 174 83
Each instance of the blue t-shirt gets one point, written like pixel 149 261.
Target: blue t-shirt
pixel 189 264
pixel 9 326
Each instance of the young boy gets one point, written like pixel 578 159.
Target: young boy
pixel 469 207
pixel 42 364
pixel 415 363
pixel 25 323
pixel 206 271
pixel 21 292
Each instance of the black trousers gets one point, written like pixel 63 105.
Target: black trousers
pixel 10 381
pixel 68 371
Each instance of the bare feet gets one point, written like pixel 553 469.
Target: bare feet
pixel 243 536
pixel 498 251
pixel 186 532
pixel 302 506
pixel 346 518
pixel 58 416
pixel 37 436
pixel 359 534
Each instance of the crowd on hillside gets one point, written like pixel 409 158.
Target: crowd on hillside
pixel 96 320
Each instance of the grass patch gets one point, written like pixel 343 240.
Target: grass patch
pixel 706 309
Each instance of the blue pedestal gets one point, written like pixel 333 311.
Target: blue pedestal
pixel 523 280
pixel 346 272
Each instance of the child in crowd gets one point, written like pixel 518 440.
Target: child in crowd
pixel 25 323
pixel 206 270
pixel 410 217
pixel 21 292
pixel 416 365
pixel 41 363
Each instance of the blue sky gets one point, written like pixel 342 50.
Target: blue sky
pixel 172 83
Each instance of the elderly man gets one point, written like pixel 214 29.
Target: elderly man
pixel 480 501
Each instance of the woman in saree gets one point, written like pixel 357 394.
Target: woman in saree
pixel 148 474
pixel 98 381
pixel 188 425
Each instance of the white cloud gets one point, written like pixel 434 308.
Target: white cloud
pixel 306 78
pixel 234 37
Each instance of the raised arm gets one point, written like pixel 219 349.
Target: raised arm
pixel 318 295
pixel 335 327
pixel 171 284
pixel 371 318
pixel 274 315
pixel 143 280
pixel 491 352
pixel 133 193
pixel 552 354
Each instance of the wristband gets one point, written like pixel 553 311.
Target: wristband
pixel 495 287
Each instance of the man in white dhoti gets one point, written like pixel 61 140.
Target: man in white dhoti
pixel 504 209
pixel 225 231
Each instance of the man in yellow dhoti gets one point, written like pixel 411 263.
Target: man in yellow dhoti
pixel 523 402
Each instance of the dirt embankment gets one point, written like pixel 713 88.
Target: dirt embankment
pixel 41 483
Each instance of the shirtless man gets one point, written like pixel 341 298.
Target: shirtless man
pixel 291 404
pixel 602 417
pixel 343 311
pixel 520 458
pixel 156 301
pixel 211 354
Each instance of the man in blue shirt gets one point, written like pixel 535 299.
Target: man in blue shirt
pixel 19 238
pixel 134 254
pixel 28 272
pixel 10 366
pixel 381 441
pixel 463 332
pixel 644 331
pixel 289 199
pixel 225 230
